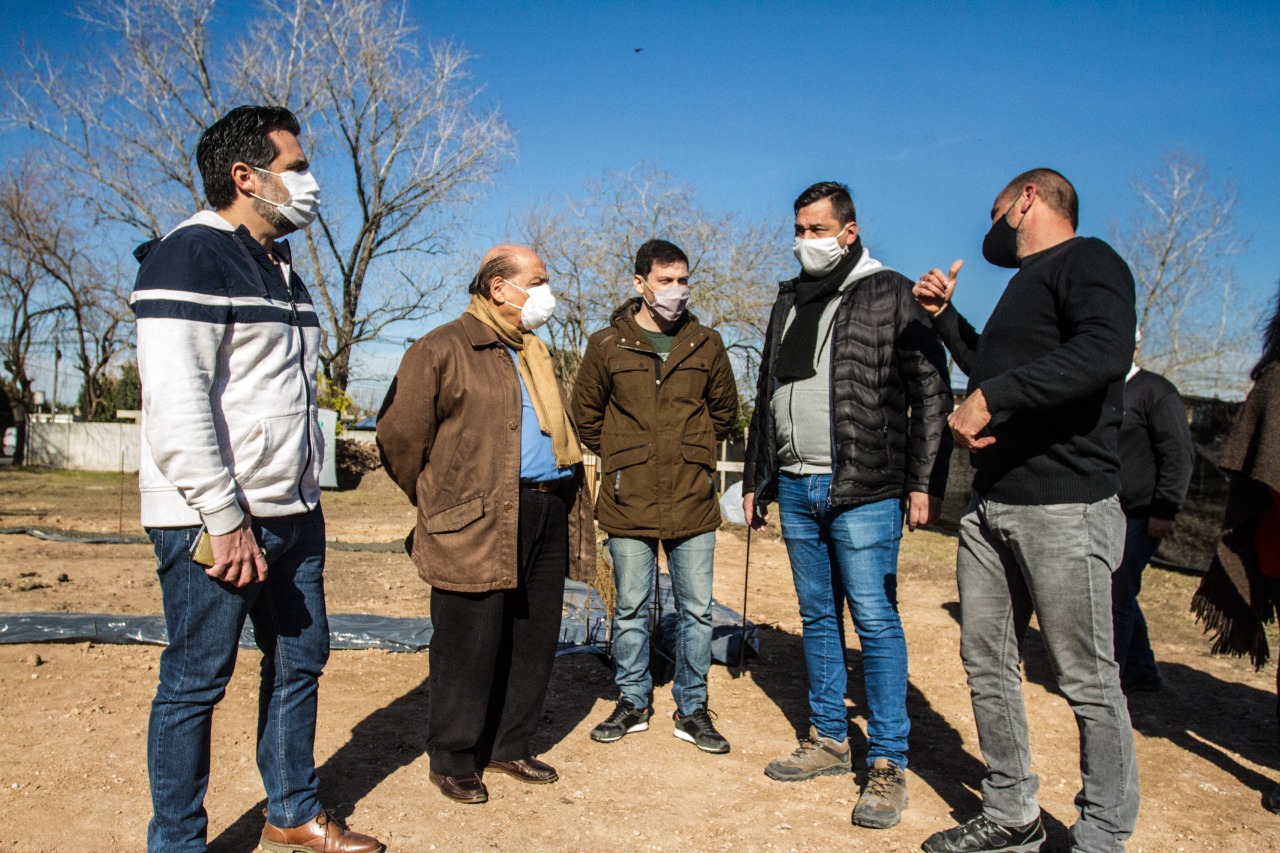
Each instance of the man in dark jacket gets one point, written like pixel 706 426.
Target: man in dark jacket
pixel 848 427
pixel 1044 530
pixel 1156 456
pixel 654 395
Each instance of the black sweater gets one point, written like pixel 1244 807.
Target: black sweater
pixel 1051 364
pixel 1156 453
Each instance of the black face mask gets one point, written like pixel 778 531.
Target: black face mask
pixel 1000 246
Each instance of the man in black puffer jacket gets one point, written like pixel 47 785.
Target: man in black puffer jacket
pixel 849 425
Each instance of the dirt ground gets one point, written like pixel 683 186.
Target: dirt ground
pixel 73 717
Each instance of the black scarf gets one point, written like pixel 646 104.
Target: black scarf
pixel 795 355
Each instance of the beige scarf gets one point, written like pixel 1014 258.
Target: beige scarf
pixel 539 375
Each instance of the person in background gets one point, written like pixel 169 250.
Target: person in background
pixel 1156 457
pixel 1240 593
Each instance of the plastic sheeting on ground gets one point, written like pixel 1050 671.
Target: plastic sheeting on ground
pixel 583 627
pixel 80 537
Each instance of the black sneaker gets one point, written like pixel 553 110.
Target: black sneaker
pixel 980 835
pixel 624 720
pixel 698 729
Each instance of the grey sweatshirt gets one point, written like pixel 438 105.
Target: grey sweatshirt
pixel 802 409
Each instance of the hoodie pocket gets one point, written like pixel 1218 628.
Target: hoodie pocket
pixel 274 453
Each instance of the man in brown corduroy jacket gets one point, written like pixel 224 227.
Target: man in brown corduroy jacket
pixel 475 430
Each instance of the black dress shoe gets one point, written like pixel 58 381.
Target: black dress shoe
pixel 463 788
pixel 529 770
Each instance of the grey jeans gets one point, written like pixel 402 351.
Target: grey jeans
pixel 1055 560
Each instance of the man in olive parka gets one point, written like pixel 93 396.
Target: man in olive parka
pixel 653 397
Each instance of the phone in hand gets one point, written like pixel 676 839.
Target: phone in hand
pixel 202 548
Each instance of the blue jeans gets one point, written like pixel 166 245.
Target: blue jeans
pixel 1133 645
pixel 204 618
pixel 635 566
pixel 1055 560
pixel 855 550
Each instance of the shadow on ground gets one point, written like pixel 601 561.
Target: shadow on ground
pixel 395 736
pixel 1216 720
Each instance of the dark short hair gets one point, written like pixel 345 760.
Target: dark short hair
pixel 1053 188
pixel 503 265
pixel 841 201
pixel 240 136
pixel 658 252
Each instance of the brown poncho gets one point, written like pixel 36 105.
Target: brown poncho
pixel 1233 599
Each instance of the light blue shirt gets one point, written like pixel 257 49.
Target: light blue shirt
pixel 537 453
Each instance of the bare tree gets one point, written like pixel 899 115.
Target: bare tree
pixel 590 244
pixel 60 268
pixel 397 139
pixel 415 150
pixel 26 300
pixel 1195 327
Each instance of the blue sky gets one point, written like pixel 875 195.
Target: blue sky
pixel 925 110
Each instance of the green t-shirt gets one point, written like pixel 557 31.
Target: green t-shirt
pixel 661 341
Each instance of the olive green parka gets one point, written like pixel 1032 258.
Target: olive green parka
pixel 655 425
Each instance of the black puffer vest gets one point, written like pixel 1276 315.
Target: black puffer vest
pixel 890 397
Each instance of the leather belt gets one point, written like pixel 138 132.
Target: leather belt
pixel 544 486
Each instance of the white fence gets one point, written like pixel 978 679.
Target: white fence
pixel 84 446
pixel 117 447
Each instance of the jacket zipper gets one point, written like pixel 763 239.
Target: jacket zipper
pixel 306 389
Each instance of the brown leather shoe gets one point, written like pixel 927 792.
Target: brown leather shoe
pixel 529 770
pixel 321 834
pixel 463 788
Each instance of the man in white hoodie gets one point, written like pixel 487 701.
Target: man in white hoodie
pixel 231 453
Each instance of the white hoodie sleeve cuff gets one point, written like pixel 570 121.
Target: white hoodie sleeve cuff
pixel 223 520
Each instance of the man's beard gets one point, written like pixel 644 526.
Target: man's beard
pixel 274 217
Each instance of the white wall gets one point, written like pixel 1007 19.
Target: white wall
pixel 116 447
pixel 84 446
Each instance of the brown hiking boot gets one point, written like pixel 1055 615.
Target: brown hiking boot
pixel 884 797
pixel 815 756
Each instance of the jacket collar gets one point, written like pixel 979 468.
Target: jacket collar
pixel 865 267
pixel 215 221
pixel 478 334
pixel 624 320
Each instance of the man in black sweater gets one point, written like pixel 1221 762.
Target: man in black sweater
pixel 1156 457
pixel 1043 530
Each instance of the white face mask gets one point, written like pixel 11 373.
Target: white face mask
pixel 818 256
pixel 538 307
pixel 303 205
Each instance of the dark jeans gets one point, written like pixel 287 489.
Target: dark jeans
pixel 1133 646
pixel 491 652
pixel 204 618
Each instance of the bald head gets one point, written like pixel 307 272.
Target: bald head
pixel 507 261
pixel 1053 189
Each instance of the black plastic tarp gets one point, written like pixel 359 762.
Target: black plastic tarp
pixel 583 627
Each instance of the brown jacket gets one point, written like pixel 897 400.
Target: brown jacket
pixel 655 425
pixel 1234 599
pixel 449 435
